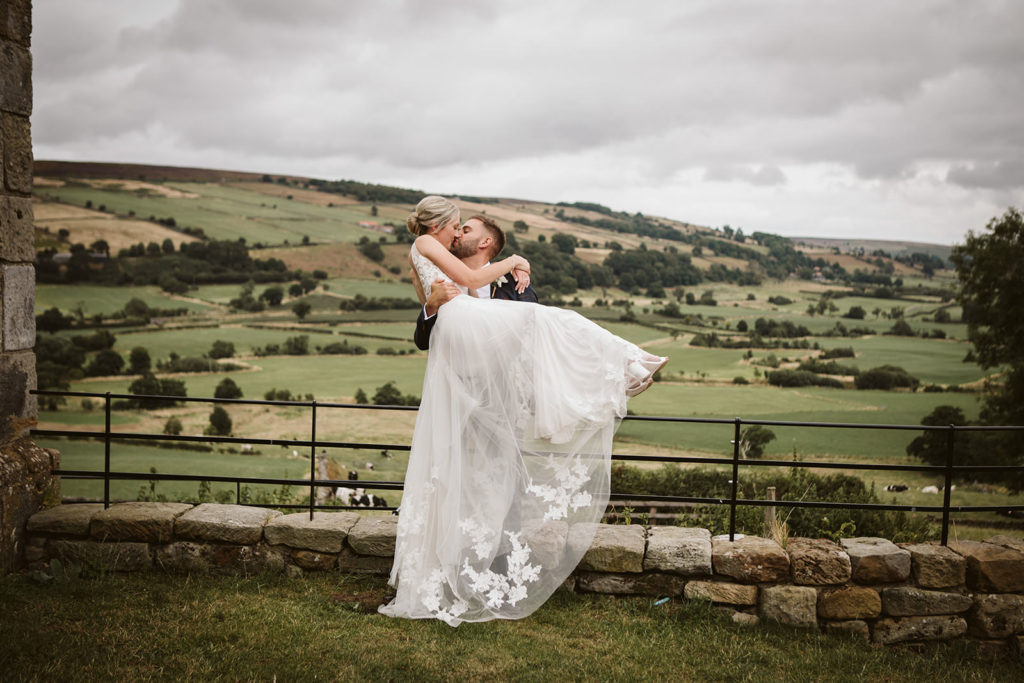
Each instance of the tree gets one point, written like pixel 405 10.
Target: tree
pixel 227 389
pixel 167 246
pixel 308 284
pixel 388 395
pixel 139 361
pixel 991 292
pixel 273 295
pixel 520 226
pixel 361 397
pixel 52 320
pixel 222 349
pixel 753 440
pixel 136 308
pixel 220 422
pixel 301 309
pixel 565 242
pixel 106 362
pixel 855 313
pixel 172 426
pixel 295 290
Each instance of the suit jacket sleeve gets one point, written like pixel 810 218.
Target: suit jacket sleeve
pixel 423 329
pixel 508 291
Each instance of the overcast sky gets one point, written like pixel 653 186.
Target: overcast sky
pixel 892 120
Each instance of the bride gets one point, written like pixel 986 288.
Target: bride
pixel 508 474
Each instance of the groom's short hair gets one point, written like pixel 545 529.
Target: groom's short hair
pixel 494 231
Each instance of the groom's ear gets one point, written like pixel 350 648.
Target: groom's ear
pixel 485 244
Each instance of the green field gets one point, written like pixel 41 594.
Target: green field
pixel 93 299
pixel 228 213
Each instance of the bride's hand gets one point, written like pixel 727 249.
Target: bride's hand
pixel 522 278
pixel 519 263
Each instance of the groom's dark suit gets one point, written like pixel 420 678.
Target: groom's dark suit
pixel 506 290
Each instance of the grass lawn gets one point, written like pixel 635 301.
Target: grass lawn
pixel 325 626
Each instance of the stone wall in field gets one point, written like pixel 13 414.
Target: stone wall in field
pixel 22 481
pixel 883 592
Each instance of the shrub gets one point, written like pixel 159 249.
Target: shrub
pixel 220 422
pixel 227 389
pixel 801 378
pixel 172 426
pixel 829 368
pixel 221 349
pixel 886 377
pixel 148 384
pixel 106 362
pixel 838 352
pixel 343 347
pixel 902 329
pixel 740 380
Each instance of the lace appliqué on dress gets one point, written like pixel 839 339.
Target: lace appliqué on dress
pixel 567 494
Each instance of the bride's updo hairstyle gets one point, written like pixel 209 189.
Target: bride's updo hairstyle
pixel 430 212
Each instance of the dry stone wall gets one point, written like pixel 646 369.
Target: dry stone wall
pixel 24 468
pixel 884 592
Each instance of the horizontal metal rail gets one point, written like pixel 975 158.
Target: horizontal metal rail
pixel 733 500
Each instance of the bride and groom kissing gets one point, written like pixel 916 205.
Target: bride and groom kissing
pixel 478 242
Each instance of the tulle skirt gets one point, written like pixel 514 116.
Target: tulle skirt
pixel 509 470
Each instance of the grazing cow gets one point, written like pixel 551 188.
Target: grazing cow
pixel 896 488
pixel 353 475
pixel 930 489
pixel 369 466
pixel 385 454
pixel 344 495
pixel 247 448
pixel 367 500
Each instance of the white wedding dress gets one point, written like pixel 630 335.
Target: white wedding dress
pixel 509 469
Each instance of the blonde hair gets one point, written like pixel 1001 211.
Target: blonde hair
pixel 430 212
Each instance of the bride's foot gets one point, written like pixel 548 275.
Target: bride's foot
pixel 641 375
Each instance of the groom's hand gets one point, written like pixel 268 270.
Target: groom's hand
pixel 441 292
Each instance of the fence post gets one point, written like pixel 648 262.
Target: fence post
pixel 312 466
pixel 950 436
pixel 735 477
pixel 769 510
pixel 106 454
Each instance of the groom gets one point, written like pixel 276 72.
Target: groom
pixel 481 241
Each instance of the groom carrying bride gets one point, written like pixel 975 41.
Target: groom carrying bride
pixel 480 241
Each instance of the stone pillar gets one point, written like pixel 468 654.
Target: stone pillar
pixel 21 480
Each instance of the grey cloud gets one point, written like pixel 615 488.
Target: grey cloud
pixel 765 175
pixel 998 175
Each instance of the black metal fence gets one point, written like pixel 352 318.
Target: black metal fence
pixel 946 471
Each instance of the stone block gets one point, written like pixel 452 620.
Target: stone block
pixel 18 408
pixel 652 584
pixel 676 550
pixel 789 605
pixel 16 21
pixel 17 150
pixel 750 559
pixel 225 523
pixel 876 560
pixel 817 562
pixel 996 616
pixel 97 556
pixel 910 629
pixel 325 533
pixel 854 627
pixel 374 536
pixel 137 521
pixel 992 568
pixel 314 561
pixel 64 520
pixel 744 619
pixel 25 483
pixel 349 561
pixel 191 557
pixel 18 284
pixel 907 601
pixel 615 548
pixel 721 593
pixel 1011 542
pixel 849 602
pixel 936 566
pixel 15 80
pixel 17 236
